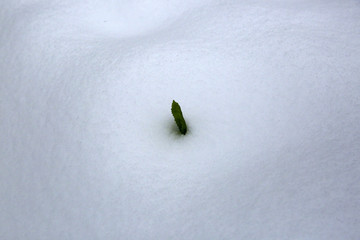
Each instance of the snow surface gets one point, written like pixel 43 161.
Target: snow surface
pixel 269 89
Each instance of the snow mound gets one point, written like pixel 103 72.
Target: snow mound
pixel 269 90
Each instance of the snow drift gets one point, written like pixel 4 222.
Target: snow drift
pixel 270 90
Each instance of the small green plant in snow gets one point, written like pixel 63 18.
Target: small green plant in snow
pixel 178 116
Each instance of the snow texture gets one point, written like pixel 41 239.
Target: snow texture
pixel 269 90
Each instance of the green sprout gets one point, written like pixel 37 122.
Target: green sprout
pixel 178 116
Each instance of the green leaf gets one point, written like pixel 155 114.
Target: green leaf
pixel 178 116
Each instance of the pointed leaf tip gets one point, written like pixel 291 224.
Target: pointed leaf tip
pixel 178 116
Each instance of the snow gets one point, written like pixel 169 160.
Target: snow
pixel 269 90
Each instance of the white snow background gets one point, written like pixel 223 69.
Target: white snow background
pixel 269 88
